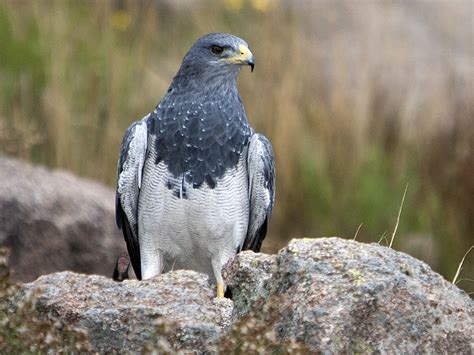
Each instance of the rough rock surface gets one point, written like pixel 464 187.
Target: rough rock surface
pixel 54 221
pixel 341 296
pixel 247 276
pixel 126 316
pixel 324 295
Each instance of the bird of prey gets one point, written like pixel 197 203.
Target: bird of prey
pixel 196 184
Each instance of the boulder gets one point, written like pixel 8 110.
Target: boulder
pixel 339 296
pixel 54 221
pixel 175 311
pixel 326 295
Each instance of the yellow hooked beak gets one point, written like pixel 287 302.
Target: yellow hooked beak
pixel 243 56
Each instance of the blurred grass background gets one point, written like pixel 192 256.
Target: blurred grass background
pixel 358 97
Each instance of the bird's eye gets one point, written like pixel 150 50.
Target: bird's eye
pixel 217 50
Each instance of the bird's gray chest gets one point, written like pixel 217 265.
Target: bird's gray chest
pixel 192 225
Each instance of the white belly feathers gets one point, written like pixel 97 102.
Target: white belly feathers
pixel 190 226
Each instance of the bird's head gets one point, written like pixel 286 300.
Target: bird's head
pixel 218 53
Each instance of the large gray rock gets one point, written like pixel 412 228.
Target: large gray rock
pixel 177 308
pixel 54 221
pixel 324 295
pixel 338 296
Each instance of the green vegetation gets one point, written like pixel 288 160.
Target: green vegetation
pixel 358 100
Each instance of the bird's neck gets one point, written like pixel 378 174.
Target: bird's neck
pixel 204 85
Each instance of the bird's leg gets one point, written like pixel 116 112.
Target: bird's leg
pixel 220 289
pixel 151 262
pixel 216 267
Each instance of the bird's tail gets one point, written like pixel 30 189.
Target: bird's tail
pixel 121 267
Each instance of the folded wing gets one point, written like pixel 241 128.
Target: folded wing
pixel 261 172
pixel 130 167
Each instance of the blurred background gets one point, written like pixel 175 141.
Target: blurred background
pixel 360 98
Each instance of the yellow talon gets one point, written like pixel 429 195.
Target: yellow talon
pixel 220 290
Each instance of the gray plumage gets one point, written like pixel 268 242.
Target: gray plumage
pixel 195 183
